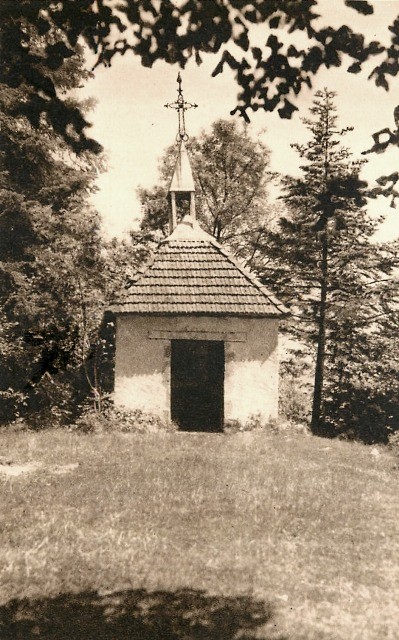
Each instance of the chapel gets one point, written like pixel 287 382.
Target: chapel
pixel 196 333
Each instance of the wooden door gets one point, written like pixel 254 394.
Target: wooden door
pixel 197 384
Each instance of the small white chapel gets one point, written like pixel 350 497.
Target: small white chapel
pixel 196 333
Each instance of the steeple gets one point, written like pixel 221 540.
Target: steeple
pixel 182 180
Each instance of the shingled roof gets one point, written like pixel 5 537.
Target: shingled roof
pixel 191 274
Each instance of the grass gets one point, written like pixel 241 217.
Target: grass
pixel 198 536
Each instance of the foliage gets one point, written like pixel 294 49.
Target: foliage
pixel 295 389
pixel 51 259
pixel 364 363
pixel 341 287
pixel 51 403
pixel 231 179
pixel 123 258
pixel 56 271
pixel 122 420
pixel 256 424
pixel 269 77
pixel 393 441
pixel 38 46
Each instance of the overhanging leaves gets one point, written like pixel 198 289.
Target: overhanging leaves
pixel 268 77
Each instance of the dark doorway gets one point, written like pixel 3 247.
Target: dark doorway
pixel 197 380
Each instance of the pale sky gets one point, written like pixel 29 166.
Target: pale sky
pixel 132 124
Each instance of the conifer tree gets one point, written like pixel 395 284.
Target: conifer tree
pixel 51 260
pixel 340 285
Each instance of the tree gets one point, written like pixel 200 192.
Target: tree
pixel 340 286
pixel 268 77
pixel 231 178
pixel 52 287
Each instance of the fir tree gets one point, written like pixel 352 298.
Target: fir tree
pixel 51 260
pixel 340 285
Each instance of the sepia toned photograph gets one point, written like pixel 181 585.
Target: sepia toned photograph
pixel 199 299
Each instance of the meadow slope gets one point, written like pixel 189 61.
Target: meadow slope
pixel 183 536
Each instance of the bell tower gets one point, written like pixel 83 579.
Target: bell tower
pixel 182 183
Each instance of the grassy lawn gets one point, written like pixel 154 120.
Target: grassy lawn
pixel 188 536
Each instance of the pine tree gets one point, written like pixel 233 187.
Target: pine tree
pixel 340 285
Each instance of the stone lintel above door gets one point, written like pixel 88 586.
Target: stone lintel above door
pixel 224 336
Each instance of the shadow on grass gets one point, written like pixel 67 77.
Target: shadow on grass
pixel 136 615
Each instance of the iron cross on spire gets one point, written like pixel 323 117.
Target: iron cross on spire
pixel 181 107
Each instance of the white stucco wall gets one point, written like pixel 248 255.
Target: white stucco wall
pixel 142 367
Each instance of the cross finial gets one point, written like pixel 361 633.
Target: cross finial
pixel 181 107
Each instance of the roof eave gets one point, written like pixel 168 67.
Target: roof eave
pixel 119 310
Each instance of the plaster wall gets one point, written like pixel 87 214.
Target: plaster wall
pixel 142 366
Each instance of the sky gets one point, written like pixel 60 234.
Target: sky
pixel 134 127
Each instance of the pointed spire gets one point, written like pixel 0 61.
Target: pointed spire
pixel 182 180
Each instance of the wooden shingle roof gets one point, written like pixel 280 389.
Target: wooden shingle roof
pixel 191 274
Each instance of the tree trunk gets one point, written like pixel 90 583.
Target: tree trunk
pixel 316 426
